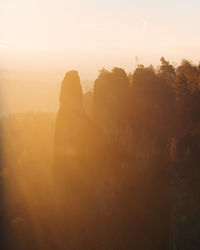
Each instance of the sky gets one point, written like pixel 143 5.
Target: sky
pixel 86 35
pixel 40 40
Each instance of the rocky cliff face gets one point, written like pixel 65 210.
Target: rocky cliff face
pixel 138 140
pixel 78 167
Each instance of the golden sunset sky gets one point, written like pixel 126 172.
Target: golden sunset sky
pixel 42 39
pixel 89 34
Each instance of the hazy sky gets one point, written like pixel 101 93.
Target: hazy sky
pixel 89 34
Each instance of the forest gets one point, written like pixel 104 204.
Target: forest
pixel 116 168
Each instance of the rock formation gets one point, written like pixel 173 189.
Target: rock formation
pixel 78 165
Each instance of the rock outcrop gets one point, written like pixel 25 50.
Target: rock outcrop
pixel 78 166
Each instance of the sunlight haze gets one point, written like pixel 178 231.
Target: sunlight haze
pixel 48 38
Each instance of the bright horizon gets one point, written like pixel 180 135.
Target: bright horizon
pixel 87 35
pixel 41 40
